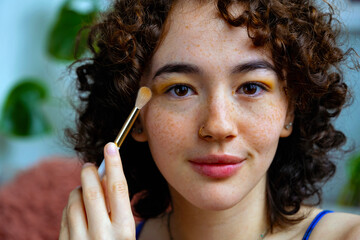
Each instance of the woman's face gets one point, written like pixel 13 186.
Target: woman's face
pixel 207 74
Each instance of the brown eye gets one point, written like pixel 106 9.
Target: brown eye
pixel 181 90
pixel 252 89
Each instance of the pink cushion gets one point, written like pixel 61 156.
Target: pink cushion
pixel 31 204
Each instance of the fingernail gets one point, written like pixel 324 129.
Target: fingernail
pixel 87 164
pixel 111 149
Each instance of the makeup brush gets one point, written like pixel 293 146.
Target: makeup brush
pixel 142 98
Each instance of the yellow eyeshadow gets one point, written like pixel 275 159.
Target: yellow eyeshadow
pixel 160 88
pixel 164 84
pixel 268 83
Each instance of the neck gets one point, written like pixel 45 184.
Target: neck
pixel 245 220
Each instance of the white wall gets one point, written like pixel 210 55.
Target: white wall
pixel 24 25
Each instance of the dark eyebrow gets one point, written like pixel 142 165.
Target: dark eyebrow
pixel 192 69
pixel 177 68
pixel 252 66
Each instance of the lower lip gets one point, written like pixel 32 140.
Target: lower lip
pixel 217 170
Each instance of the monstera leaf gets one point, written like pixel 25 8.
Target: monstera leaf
pixel 62 39
pixel 21 114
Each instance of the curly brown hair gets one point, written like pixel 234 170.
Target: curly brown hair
pixel 304 45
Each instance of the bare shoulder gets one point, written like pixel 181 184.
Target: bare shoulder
pixel 350 227
pixel 338 225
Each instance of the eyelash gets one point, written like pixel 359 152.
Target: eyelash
pixel 171 90
pixel 260 87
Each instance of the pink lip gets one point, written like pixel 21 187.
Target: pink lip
pixel 217 166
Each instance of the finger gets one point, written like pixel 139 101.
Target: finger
pixel 64 230
pixel 93 197
pixel 117 188
pixel 76 217
pixel 104 186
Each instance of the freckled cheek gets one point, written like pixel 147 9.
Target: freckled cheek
pixel 168 133
pixel 264 128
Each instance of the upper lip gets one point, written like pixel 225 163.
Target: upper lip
pixel 217 159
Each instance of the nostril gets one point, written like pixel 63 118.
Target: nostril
pixel 202 134
pixel 230 136
pixel 216 132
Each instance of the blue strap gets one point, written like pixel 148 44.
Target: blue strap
pixel 139 228
pixel 314 222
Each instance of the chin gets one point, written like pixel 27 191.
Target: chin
pixel 215 200
pixel 215 204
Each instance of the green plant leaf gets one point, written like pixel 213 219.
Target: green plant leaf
pixel 62 39
pixel 351 193
pixel 21 114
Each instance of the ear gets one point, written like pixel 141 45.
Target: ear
pixel 138 132
pixel 289 122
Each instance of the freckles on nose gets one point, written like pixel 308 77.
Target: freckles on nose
pixel 222 117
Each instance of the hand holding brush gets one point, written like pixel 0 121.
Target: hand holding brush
pixel 102 209
pixel 143 97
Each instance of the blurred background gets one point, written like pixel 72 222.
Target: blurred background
pixel 36 46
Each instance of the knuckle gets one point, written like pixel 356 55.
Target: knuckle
pixel 92 193
pixel 116 164
pixel 119 187
pixel 73 202
pixel 71 209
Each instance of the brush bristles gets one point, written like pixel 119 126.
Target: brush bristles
pixel 143 97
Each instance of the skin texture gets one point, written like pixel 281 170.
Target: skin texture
pixel 238 124
pixel 243 125
pixel 242 114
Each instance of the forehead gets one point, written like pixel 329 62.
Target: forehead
pixel 196 33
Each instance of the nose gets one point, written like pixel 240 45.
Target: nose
pixel 219 119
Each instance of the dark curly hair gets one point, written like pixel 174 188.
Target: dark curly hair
pixel 304 45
